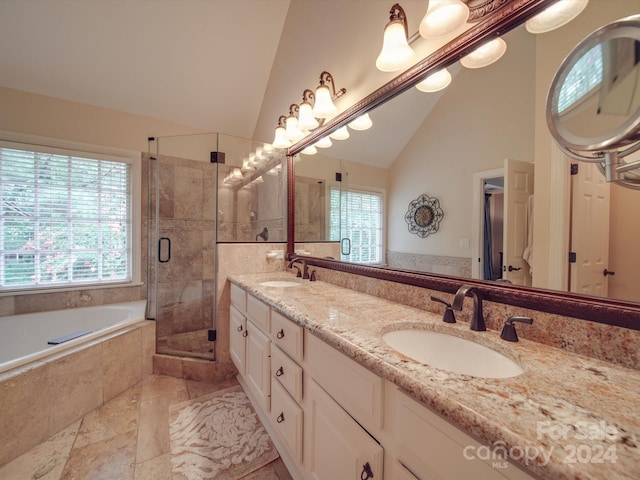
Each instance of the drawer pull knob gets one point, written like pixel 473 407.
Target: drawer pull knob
pixel 240 328
pixel 280 418
pixel 245 333
pixel 280 334
pixel 280 372
pixel 366 472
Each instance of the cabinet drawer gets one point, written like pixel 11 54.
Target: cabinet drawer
pixel 286 417
pixel 258 312
pixel 238 298
pixel 287 335
pixel 287 372
pixel 358 390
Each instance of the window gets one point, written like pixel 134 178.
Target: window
pixel 356 215
pixel 67 218
pixel 585 75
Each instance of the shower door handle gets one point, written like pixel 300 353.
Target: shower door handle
pixel 168 241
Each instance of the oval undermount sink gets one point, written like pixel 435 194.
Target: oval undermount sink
pixel 280 283
pixel 452 353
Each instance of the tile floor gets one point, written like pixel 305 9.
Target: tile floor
pixel 125 439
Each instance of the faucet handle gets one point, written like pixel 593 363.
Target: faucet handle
pixel 312 276
pixel 509 330
pixel 448 317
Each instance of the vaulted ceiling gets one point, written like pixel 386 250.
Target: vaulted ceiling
pixel 231 66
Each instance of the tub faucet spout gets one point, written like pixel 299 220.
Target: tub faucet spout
pixel 477 320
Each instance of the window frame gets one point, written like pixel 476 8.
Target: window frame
pixel 69 148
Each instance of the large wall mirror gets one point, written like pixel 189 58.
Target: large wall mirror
pixel 483 137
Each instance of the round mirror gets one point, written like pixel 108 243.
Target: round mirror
pixel 593 106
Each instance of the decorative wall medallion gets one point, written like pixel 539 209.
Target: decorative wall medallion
pixel 424 215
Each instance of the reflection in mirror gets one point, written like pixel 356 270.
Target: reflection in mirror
pixel 448 144
pixel 593 109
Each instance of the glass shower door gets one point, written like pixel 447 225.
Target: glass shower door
pixel 182 240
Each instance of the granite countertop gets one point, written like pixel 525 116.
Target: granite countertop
pixel 566 417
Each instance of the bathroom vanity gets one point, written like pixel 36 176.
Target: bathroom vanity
pixel 339 402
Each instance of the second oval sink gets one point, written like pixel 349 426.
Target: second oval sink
pixel 280 283
pixel 452 353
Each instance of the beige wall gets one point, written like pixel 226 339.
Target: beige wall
pixel 466 132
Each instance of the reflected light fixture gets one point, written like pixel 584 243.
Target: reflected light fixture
pixel 306 120
pixel 363 122
pixel 280 140
pixel 443 17
pixel 435 82
pixel 246 166
pixel 341 133
pixel 292 132
pixel 324 142
pixel 555 16
pixel 324 106
pixel 310 150
pixel 485 54
pixel 267 150
pixel 396 52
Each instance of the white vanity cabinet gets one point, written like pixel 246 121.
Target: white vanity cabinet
pixel 331 418
pixel 237 339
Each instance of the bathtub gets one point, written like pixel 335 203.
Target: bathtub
pixel 25 338
pixel 45 388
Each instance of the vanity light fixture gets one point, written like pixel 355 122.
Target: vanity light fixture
pixel 280 140
pixel 363 122
pixel 443 17
pixel 341 133
pixel 435 82
pixel 324 106
pixel 396 52
pixel 324 142
pixel 555 16
pixel 485 54
pixel 292 132
pixel 306 120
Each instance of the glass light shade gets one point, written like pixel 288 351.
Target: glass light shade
pixel 237 174
pixel 340 134
pixel 443 17
pixel 324 106
pixel 396 53
pixel 363 122
pixel 435 82
pixel 273 171
pixel 555 16
pixel 292 132
pixel 324 142
pixel 310 150
pixel 280 140
pixel 260 156
pixel 485 54
pixel 246 166
pixel 306 120
pixel 267 149
pixel 258 180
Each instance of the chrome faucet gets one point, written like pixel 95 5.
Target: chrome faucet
pixel 477 320
pixel 305 267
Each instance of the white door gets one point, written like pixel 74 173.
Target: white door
pixel 589 231
pixel 518 188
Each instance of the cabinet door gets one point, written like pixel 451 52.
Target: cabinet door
pixel 338 447
pixel 258 369
pixel 237 336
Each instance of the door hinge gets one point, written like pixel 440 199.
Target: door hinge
pixel 338 177
pixel 212 335
pixel 574 169
pixel 572 257
pixel 217 157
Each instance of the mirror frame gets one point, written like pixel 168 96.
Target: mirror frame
pixel 601 310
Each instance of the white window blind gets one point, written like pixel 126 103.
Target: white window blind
pixel 357 215
pixel 586 74
pixel 66 220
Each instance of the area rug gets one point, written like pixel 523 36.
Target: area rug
pixel 217 436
